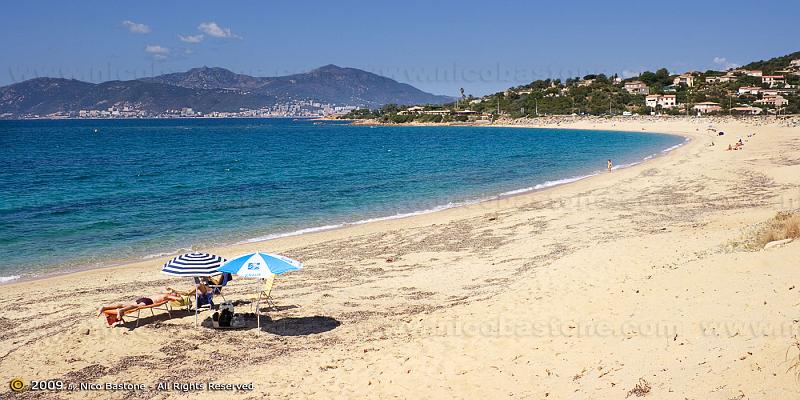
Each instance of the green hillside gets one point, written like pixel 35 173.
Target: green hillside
pixel 598 94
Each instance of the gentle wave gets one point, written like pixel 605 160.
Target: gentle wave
pixel 413 213
pixel 165 254
pixel 668 149
pixel 540 186
pixel 547 184
pixel 359 222
pixel 293 233
pixel 651 156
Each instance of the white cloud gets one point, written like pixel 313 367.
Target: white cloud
pixel 212 29
pixel 724 63
pixel 191 38
pixel 134 27
pixel 629 74
pixel 156 49
pixel 158 52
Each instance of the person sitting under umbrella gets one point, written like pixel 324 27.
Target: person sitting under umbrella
pixel 206 288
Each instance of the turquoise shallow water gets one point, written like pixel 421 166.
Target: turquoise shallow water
pixel 70 197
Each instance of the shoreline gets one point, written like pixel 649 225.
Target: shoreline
pixel 537 188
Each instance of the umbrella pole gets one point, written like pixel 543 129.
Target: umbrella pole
pixel 258 305
pixel 196 305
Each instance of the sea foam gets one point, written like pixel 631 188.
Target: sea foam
pixel 6 279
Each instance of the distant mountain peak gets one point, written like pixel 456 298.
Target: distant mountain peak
pixel 329 68
pixel 209 69
pixel 206 78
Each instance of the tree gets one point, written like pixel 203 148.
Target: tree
pixel 662 77
pixel 648 78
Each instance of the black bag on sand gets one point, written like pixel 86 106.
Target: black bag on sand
pixel 223 317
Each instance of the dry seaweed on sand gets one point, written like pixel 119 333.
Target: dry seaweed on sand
pixel 641 389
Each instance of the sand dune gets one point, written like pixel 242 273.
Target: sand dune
pixel 639 276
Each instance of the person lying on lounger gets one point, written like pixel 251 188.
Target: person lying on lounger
pixel 122 308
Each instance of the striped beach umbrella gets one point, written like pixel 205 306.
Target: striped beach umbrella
pixel 193 265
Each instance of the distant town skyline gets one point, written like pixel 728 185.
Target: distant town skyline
pixel 437 47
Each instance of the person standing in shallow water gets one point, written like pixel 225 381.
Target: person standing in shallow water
pixel 610 164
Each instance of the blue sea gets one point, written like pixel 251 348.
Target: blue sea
pixel 77 194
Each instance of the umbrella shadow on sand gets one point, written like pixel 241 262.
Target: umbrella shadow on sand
pixel 299 326
pixel 288 326
pixel 265 307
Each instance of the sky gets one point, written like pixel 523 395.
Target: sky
pixel 437 46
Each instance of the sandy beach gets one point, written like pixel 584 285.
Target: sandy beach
pixel 645 276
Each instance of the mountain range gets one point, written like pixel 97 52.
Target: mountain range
pixel 211 89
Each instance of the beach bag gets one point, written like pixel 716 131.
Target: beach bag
pixel 226 314
pixel 223 317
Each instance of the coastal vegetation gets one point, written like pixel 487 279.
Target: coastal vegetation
pixel 782 226
pixel 599 94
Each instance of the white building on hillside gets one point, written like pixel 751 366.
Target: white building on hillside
pixel 684 79
pixel 773 80
pixel 416 110
pixel 707 107
pixel 663 100
pixel 721 79
pixel 775 101
pixel 637 87
pixel 777 91
pixel 754 90
pixel 747 110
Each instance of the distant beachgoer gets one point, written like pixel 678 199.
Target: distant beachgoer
pixel 122 308
pixel 610 165
pixel 730 147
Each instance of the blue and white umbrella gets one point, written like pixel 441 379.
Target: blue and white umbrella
pixel 193 265
pixel 260 265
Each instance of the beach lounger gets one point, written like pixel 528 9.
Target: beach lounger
pixel 111 315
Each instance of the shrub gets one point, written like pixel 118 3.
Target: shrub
pixel 782 226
